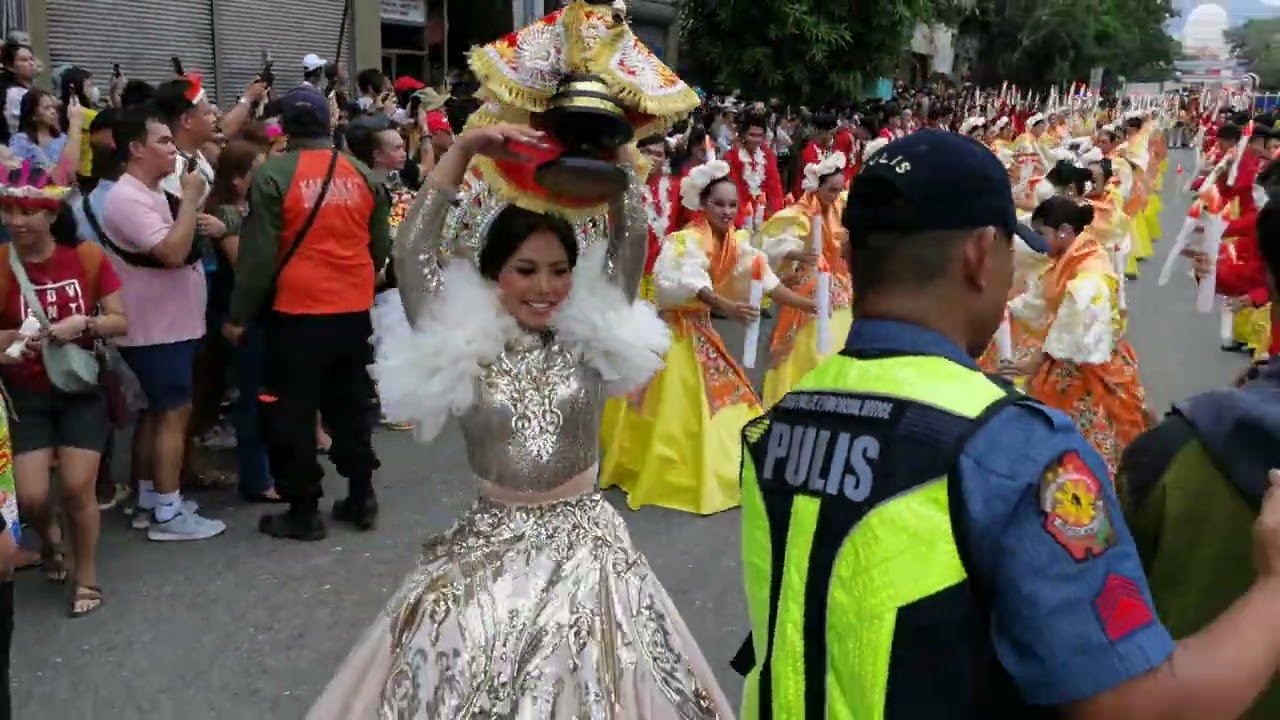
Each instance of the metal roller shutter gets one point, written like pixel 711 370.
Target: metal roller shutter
pixel 141 36
pixel 289 29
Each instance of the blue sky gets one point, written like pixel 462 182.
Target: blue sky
pixel 1239 10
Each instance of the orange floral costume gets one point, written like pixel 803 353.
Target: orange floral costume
pixel 1091 372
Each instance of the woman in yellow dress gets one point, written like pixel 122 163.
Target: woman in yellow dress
pixel 675 443
pixel 1085 368
pixel 787 238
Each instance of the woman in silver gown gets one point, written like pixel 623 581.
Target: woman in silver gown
pixel 535 604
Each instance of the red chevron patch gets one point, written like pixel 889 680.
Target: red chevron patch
pixel 1121 607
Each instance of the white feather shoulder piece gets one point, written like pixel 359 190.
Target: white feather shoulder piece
pixel 429 374
pixel 624 342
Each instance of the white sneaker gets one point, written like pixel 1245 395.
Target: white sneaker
pixel 142 515
pixel 185 526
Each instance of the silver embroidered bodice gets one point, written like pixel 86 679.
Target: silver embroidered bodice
pixel 536 418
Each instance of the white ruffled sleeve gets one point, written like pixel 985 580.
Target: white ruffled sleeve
pixel 426 375
pixel 1029 307
pixel 681 270
pixel 1083 331
pixel 623 340
pixel 782 234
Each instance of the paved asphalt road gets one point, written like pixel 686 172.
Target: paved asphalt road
pixel 243 627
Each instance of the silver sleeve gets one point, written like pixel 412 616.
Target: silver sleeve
pixel 420 247
pixel 628 237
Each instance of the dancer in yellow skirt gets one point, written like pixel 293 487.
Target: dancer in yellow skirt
pixel 675 443
pixel 788 240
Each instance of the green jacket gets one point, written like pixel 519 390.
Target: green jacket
pixel 262 241
pixel 1194 485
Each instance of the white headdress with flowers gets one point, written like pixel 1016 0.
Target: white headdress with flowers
pixel 698 179
pixel 970 124
pixel 874 147
pixel 1002 122
pixel 814 172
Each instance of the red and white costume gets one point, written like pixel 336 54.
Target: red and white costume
pixel 759 183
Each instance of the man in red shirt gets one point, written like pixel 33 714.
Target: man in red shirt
pixel 820 145
pixel 754 169
pixel 661 199
pixel 848 143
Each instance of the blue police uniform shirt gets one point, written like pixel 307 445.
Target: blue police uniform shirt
pixel 1071 615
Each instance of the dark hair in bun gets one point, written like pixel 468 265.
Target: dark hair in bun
pixel 1066 174
pixel 1060 210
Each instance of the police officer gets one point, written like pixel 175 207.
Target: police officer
pixel 918 542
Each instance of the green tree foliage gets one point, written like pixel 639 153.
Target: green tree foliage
pixel 802 51
pixel 1258 42
pixel 1034 43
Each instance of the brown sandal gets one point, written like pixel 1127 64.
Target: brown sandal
pixel 85 600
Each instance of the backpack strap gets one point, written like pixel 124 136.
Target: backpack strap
pixel 91 260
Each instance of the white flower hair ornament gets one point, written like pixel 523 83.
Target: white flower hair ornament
pixel 972 124
pixel 874 147
pixel 814 172
pixel 699 179
pixel 1002 122
pixel 1035 119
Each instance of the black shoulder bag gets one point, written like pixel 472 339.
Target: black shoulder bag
pixel 302 231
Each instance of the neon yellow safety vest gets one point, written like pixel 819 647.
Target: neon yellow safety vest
pixel 858 596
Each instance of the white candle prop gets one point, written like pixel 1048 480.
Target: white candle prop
pixel 823 301
pixel 815 236
pixel 1214 226
pixel 751 341
pixel 759 218
pixel 1180 243
pixel 1226 323
pixel 1004 338
pixel 29 329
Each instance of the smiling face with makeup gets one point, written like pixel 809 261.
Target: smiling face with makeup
pixel 530 257
pixel 720 204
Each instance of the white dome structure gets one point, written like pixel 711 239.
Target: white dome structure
pixel 1204 32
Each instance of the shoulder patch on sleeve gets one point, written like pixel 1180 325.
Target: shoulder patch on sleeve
pixel 1122 608
pixel 1073 501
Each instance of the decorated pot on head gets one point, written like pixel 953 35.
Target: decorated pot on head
pixel 590 125
pixel 584 78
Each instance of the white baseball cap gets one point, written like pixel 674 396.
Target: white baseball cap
pixel 313 62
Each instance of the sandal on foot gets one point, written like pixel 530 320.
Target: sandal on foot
pixel 55 563
pixel 85 600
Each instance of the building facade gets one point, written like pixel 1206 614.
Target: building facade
pixel 224 40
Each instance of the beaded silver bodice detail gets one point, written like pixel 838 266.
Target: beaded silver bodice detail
pixel 536 417
pixel 537 411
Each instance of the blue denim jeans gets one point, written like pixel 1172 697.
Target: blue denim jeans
pixel 255 478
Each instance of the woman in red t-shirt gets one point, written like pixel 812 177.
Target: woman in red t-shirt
pixel 80 294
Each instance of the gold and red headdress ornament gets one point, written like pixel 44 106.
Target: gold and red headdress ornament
pixel 585 50
pixel 29 188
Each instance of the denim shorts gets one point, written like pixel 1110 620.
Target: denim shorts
pixel 165 372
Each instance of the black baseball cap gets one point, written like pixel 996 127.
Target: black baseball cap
pixel 934 180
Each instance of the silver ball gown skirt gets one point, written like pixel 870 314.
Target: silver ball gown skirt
pixel 539 612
